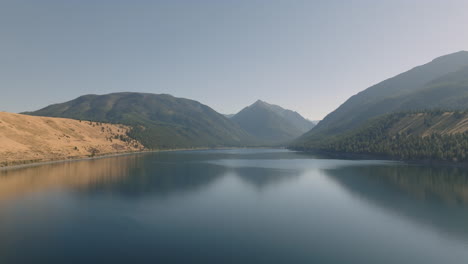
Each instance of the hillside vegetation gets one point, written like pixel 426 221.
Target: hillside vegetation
pixel 439 84
pixel 25 139
pixel 158 121
pixel 435 135
pixel 399 117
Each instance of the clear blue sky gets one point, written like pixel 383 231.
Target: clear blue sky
pixel 309 56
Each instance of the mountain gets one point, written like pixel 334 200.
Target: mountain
pixel 441 83
pixel 26 139
pixel 158 121
pixel 315 122
pixel 428 135
pixel 271 124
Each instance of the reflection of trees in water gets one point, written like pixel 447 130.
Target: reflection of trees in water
pixel 436 196
pixel 447 184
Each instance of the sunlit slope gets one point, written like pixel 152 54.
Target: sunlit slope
pixel 25 139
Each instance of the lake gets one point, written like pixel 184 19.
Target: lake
pixel 233 206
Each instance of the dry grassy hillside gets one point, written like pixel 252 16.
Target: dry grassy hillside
pixel 25 139
pixel 426 124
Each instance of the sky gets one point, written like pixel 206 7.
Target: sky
pixel 308 56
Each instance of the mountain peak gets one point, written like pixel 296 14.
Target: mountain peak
pixel 260 102
pixel 271 124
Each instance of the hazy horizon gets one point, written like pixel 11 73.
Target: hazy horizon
pixel 307 56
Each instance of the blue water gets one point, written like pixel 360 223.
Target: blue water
pixel 233 206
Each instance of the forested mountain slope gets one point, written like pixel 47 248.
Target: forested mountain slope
pixel 441 83
pixel 435 135
pixel 159 121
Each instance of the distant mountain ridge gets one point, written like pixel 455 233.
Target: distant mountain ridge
pixel 271 124
pixel 159 121
pixel 162 121
pixel 441 83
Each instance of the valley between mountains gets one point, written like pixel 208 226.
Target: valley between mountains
pixel 420 114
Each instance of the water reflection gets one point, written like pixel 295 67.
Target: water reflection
pixel 77 175
pixel 432 196
pixel 263 177
pixel 157 174
pixel 249 206
pixel 160 179
pixel 130 176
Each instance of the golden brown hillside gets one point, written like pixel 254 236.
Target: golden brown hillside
pixel 25 139
pixel 426 124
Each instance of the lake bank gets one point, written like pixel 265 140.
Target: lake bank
pixel 32 163
pixel 370 156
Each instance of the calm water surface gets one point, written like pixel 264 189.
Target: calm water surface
pixel 233 206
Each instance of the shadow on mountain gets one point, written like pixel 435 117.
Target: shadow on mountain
pixel 430 196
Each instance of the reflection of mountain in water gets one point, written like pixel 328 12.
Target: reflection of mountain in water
pixel 244 154
pixel 437 197
pixel 160 179
pixel 132 175
pixel 158 174
pixel 263 177
pixel 163 174
pixel 259 169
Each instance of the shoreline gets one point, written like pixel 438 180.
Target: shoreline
pixel 56 161
pixel 369 156
pixel 109 155
pixel 332 155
